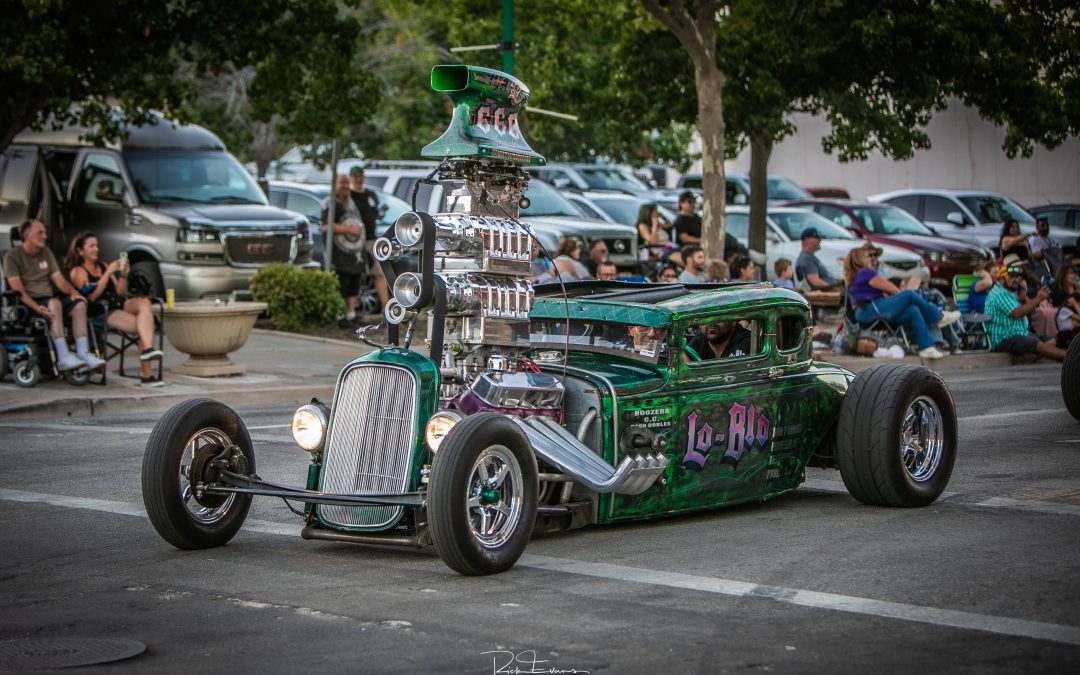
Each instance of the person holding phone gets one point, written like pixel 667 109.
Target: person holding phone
pixel 96 281
pixel 1012 242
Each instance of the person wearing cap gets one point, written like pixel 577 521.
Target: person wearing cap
pixel 809 268
pixel 1009 307
pixel 367 204
pixel 875 297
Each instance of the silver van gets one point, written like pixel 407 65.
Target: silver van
pixel 187 213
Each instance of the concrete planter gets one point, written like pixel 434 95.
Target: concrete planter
pixel 208 332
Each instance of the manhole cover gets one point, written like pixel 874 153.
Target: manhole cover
pixel 64 652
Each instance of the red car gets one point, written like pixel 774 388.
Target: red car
pixel 891 225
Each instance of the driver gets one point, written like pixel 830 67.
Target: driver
pixel 721 340
pixel 647 340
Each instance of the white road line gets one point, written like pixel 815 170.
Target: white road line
pixel 814 599
pixel 1015 413
pixel 843 603
pixel 83 428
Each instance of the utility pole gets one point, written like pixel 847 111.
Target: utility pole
pixel 507 45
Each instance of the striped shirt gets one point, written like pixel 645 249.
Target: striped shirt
pixel 1000 302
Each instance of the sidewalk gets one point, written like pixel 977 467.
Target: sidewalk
pixel 283 369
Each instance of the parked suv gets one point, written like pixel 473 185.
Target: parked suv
pixel 886 224
pixel 549 214
pixel 968 215
pixel 186 212
pixel 604 177
pixel 737 187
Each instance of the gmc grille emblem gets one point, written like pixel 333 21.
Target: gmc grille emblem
pixel 260 249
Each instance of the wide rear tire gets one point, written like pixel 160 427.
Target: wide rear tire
pixel 482 495
pixel 897 436
pixel 1070 379
pixel 179 445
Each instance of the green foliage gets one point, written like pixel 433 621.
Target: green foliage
pixel 296 296
pixel 69 61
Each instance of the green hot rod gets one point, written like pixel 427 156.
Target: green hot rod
pixel 551 407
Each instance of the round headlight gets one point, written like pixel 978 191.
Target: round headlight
pixel 438 426
pixel 309 427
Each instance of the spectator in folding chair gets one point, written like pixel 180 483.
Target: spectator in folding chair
pixel 1008 307
pixel 31 270
pixel 108 283
pixel 875 297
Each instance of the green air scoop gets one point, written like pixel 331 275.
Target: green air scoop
pixel 485 122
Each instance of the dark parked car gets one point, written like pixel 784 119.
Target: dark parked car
pixel 885 224
pixel 1061 216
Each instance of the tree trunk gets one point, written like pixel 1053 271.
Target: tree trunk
pixel 710 87
pixel 760 150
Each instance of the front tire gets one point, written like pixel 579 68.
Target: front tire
pixel 482 495
pixel 26 374
pixel 179 446
pixel 897 436
pixel 1070 379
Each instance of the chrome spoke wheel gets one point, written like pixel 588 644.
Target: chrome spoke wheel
pixel 194 446
pixel 922 439
pixel 494 500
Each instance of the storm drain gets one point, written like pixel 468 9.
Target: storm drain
pixel 64 652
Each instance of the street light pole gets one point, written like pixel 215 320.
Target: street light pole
pixel 507 44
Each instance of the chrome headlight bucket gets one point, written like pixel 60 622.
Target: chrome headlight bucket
pixel 309 424
pixel 438 426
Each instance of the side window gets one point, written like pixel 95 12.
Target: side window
pixel 99 180
pixel 16 174
pixel 374 181
pixel 304 204
pixel 713 341
pixel 935 209
pixel 1056 218
pixel 909 203
pixel 403 189
pixel 836 215
pixel 790 332
pixel 277 198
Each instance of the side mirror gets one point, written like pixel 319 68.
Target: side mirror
pixel 739 200
pixel 383 208
pixel 561 182
pixel 956 218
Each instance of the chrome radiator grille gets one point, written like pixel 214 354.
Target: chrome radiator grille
pixel 370 443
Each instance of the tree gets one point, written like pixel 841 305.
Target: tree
pixel 71 62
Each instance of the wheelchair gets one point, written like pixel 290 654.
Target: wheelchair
pixel 26 349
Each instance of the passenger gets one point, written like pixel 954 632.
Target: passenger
pixel 109 283
pixel 646 340
pixel 875 297
pixel 32 272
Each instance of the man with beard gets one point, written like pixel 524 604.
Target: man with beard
pixel 721 340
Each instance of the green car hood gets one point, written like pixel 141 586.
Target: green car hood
pixel 625 376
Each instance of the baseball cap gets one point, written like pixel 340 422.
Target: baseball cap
pixel 810 232
pixel 1011 260
pixel 687 196
pixel 355 169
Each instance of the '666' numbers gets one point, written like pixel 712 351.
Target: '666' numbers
pixel 495 117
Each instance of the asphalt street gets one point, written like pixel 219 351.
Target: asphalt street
pixel 984 580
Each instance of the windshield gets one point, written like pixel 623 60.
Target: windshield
pixel 201 177
pixel 611 178
pixel 994 209
pixel 638 342
pixel 545 200
pixel 794 222
pixel 890 220
pixel 782 188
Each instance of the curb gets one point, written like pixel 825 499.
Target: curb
pixel 949 363
pixel 309 338
pixel 116 405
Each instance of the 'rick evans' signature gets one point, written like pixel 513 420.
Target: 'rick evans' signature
pixel 522 663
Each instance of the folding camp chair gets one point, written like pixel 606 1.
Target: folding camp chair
pixel 975 336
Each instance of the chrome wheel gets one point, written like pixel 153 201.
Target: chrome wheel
pixel 494 500
pixel 195 446
pixel 922 439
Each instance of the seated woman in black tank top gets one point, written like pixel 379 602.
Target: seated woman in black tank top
pixel 109 283
pixel 1012 242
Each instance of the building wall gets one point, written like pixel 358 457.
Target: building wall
pixel 965 153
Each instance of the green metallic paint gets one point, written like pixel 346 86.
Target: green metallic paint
pixel 485 119
pixel 427 398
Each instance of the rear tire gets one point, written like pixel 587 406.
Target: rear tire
pixel 152 273
pixel 482 495
pixel 1070 379
pixel 181 440
pixel 897 436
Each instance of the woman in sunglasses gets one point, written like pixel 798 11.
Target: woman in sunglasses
pixel 875 297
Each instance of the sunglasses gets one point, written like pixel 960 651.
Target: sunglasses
pixel 873 255
pixel 1014 272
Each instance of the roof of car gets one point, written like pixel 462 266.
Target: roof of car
pixel 933 191
pixel 1045 207
pixel 650 304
